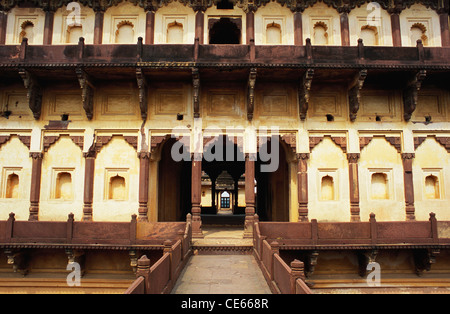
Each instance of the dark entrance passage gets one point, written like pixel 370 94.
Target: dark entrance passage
pixel 174 186
pixel 223 181
pixel 272 197
pixel 225 31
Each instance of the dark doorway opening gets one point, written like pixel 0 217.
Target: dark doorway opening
pixel 225 31
pixel 174 186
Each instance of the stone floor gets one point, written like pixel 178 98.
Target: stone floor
pixel 221 274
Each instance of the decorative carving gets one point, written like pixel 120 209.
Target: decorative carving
pixel 87 92
pixel 76 256
pixel 49 141
pixel 410 94
pixel 78 140
pixel 251 93
pixel 311 262
pixel 132 140
pixel 143 92
pixel 290 140
pixel 424 258
pixel 353 157
pixel 354 94
pixel 34 92
pixel 340 141
pixel 303 92
pixel 196 91
pixel 395 141
pixel 19 261
pixel 101 141
pixel 444 141
pixel 156 141
pixel 365 258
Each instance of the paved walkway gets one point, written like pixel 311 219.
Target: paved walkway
pixel 221 274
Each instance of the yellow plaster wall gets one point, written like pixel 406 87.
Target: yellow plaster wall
pixel 16 17
pixel 418 13
pixel 431 159
pixel 63 156
pixel 124 11
pixel 274 13
pixel 63 19
pixel 117 157
pixel 328 159
pixel 381 157
pixel 320 12
pixel 170 13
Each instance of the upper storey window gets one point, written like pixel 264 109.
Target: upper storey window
pixel 225 31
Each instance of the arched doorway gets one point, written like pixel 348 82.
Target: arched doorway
pixel 223 168
pixel 174 185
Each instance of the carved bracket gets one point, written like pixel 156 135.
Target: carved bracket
pixel 196 92
pixel 395 141
pixel 87 92
pixel 423 259
pixel 365 258
pixel 303 92
pixel 410 94
pixel 251 93
pixel 34 92
pixel 19 261
pixel 444 141
pixel 76 256
pixel 290 140
pixel 143 93
pixel 311 262
pixel 340 141
pixel 354 93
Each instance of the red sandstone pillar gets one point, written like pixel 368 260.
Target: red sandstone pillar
pixel 98 27
pixel 144 163
pixel 249 194
pixel 36 168
pixel 196 195
pixel 88 197
pixel 302 185
pixel 298 29
pixel 48 27
pixel 409 188
pixel 150 28
pixel 250 24
pixel 396 32
pixel 345 29
pixel 354 186
pixel 199 26
pixel 3 20
pixel 445 33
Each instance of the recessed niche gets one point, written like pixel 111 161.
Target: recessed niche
pixel 432 191
pixel 379 186
pixel 64 188
pixel 327 192
pixel 12 186
pixel 117 188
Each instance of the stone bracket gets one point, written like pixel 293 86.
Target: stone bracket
pixel 365 258
pixel 251 94
pixel 76 256
pixel 303 93
pixel 34 92
pixel 19 260
pixel 196 92
pixel 410 94
pixel 87 92
pixel 354 93
pixel 143 92
pixel 423 259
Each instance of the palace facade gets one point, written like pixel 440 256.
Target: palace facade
pixel 161 109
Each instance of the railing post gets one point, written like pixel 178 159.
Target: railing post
pixel 10 227
pixel 373 229
pixel 275 247
pixel 314 231
pixel 297 272
pixel 168 250
pixel 143 270
pixel 70 221
pixel 434 229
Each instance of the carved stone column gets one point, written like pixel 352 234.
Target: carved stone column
pixel 144 164
pixel 250 199
pixel 196 195
pixel 199 23
pixel 409 187
pixel 250 23
pixel 35 191
pixel 354 185
pixel 88 197
pixel 302 185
